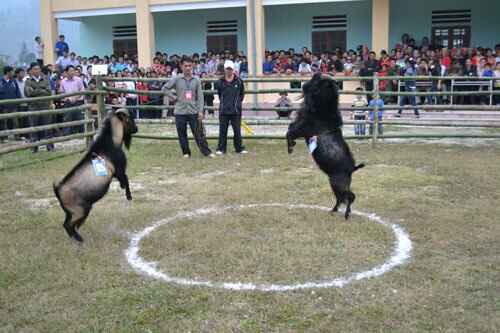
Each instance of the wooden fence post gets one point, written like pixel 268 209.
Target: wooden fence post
pixel 89 127
pixel 375 110
pixel 101 108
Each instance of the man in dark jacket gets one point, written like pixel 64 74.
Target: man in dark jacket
pixel 231 92
pixel 8 90
pixel 38 86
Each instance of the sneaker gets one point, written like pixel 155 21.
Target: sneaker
pixel 211 155
pixel 218 152
pixel 243 152
pixel 187 156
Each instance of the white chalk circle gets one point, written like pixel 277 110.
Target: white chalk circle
pixel 400 254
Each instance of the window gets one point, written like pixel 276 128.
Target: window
pixel 450 37
pixel 122 46
pixel 222 36
pixel 125 40
pixel 329 33
pixel 328 41
pixel 451 28
pixel 219 44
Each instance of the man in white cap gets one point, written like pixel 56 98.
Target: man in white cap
pixel 231 92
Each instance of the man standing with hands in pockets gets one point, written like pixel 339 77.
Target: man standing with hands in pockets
pixel 189 108
pixel 231 92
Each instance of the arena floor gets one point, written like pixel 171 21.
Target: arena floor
pixel 444 196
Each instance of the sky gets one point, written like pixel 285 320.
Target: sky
pixel 20 22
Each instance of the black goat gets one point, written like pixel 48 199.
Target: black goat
pixel 319 112
pixel 319 122
pixel 90 179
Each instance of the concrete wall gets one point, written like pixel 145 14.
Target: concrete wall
pixel 291 25
pixel 185 32
pixel 415 18
pixel 97 33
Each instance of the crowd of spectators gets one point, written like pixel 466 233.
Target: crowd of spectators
pixel 72 72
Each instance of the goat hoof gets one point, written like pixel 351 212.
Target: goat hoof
pixel 347 214
pixel 69 230
pixel 129 197
pixel 77 237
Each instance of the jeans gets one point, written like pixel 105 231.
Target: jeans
pixel 235 120
pixel 380 128
pixel 181 123
pixel 73 116
pixel 360 128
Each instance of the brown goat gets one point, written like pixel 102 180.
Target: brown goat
pixel 90 179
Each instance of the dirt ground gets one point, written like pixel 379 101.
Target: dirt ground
pixel 444 195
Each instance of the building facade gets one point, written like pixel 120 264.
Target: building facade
pixel 188 26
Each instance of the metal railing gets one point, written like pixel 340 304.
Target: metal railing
pixel 90 123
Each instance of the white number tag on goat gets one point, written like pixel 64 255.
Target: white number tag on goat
pixel 99 167
pixel 312 144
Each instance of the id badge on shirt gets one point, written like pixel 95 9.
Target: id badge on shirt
pixel 99 167
pixel 312 144
pixel 188 95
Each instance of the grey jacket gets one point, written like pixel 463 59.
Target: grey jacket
pixel 183 89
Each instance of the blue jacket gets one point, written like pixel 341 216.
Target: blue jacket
pixel 267 67
pixel 9 90
pixel 61 47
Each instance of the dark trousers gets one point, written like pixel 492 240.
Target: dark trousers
pixel 181 123
pixel 409 100
pixel 41 121
pixel 133 112
pixel 235 121
pixel 73 116
pixel 9 124
pixel 496 98
pixel 210 103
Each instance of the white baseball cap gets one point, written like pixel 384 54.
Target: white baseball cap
pixel 228 64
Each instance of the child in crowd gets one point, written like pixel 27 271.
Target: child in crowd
pixel 359 115
pixel 283 102
pixel 376 102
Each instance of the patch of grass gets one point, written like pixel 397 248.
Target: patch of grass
pixel 254 244
pixel 446 197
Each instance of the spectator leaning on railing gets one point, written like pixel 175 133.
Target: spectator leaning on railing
pixel 8 90
pixel 38 86
pixel 72 84
pixel 20 74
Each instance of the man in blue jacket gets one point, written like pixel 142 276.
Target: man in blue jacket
pixel 231 92
pixel 8 90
